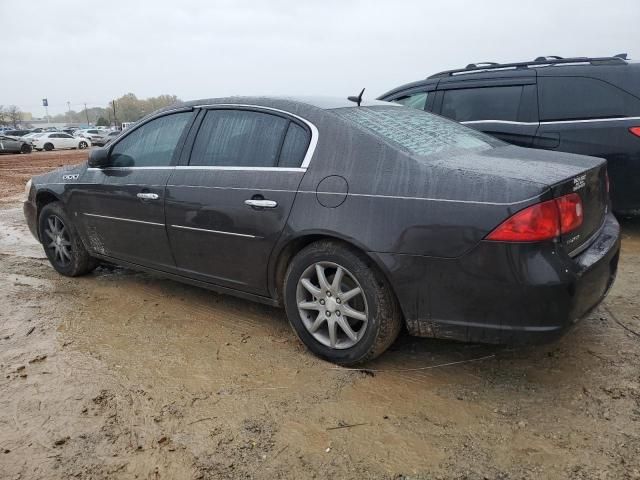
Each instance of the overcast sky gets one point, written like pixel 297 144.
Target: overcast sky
pixel 95 51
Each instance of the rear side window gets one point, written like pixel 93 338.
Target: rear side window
pixel 419 133
pixel 415 100
pixel 487 103
pixel 581 98
pixel 151 145
pixel 294 147
pixel 239 138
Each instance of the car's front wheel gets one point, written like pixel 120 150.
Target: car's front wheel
pixel 62 244
pixel 339 305
pixel 48 147
pixel 82 145
pixel 25 148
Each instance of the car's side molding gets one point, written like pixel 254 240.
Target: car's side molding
pixel 121 219
pixel 220 232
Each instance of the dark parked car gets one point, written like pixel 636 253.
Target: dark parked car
pixel 356 219
pixel 14 145
pixel 16 133
pixel 589 106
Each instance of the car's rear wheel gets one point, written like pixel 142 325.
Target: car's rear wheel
pixel 62 244
pixel 339 305
pixel 48 147
pixel 25 148
pixel 82 145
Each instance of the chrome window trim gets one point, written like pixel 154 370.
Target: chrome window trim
pixel 259 169
pixel 552 122
pixel 314 130
pixel 124 219
pixel 184 227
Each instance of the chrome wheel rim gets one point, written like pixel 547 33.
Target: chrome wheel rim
pixel 332 305
pixel 59 241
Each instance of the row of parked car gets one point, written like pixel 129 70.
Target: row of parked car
pixel 25 141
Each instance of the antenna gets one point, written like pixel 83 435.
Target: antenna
pixel 357 99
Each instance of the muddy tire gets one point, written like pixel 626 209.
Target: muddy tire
pixel 61 242
pixel 339 304
pixel 48 147
pixel 25 148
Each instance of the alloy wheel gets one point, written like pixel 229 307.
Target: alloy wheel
pixel 59 244
pixel 332 305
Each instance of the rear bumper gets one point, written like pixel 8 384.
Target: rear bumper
pixel 504 293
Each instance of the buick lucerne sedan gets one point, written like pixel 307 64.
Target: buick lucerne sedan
pixel 359 220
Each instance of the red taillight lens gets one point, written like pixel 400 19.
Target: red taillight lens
pixel 570 210
pixel 635 131
pixel 542 221
pixel 535 223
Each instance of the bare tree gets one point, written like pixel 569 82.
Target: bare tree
pixel 3 115
pixel 15 115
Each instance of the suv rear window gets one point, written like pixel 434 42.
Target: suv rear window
pixel 581 98
pixel 486 103
pixel 415 131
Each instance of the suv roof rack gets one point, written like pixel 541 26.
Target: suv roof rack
pixel 619 59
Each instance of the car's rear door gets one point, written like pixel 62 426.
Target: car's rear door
pixel 227 205
pixel 505 107
pixel 121 207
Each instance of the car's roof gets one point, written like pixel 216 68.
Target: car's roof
pixel 284 103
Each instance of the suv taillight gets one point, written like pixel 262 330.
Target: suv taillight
pixel 542 221
pixel 635 131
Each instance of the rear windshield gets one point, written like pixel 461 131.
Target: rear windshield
pixel 418 132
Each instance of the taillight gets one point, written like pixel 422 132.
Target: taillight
pixel 570 210
pixel 542 221
pixel 635 131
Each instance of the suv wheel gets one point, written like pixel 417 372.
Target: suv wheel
pixel 62 244
pixel 339 306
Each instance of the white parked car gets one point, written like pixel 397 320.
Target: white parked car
pixel 59 140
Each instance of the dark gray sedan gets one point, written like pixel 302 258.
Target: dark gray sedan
pixel 359 220
pixel 14 145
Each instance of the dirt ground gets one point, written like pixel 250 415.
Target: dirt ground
pixel 121 375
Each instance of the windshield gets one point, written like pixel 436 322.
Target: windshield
pixel 418 132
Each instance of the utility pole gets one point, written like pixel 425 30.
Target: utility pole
pixel 86 112
pixel 69 111
pixel 45 104
pixel 115 119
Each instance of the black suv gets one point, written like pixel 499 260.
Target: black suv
pixel 580 105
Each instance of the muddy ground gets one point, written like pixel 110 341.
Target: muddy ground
pixel 121 375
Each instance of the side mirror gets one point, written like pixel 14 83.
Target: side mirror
pixel 98 158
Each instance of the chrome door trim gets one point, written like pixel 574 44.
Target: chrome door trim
pixel 206 230
pixel 248 169
pixel 314 130
pixel 506 122
pixel 551 122
pixel 124 219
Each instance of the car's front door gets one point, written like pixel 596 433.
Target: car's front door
pixel 228 206
pixel 121 207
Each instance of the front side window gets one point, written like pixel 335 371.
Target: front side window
pixel 415 100
pixel 151 145
pixel 239 138
pixel 579 98
pixel 486 103
pixel 419 133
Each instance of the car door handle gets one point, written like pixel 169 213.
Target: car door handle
pixel 148 196
pixel 261 203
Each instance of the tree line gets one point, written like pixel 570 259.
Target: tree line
pixel 128 108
